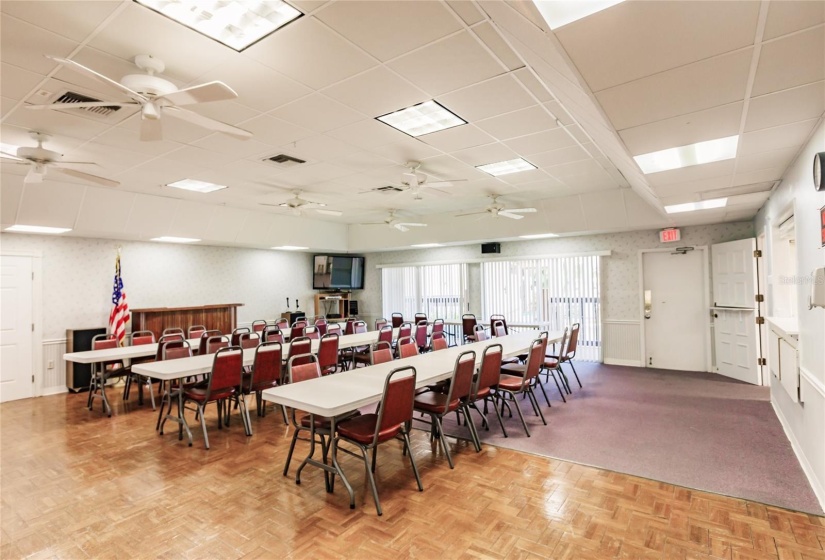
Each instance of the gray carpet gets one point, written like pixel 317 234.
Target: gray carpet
pixel 697 430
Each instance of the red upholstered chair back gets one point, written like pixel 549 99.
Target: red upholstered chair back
pixel 438 325
pixel 142 337
pixel 438 341
pixel 249 340
pixel 312 332
pixel 163 340
pixel 300 347
pixel 227 370
pixel 173 330
pixel 321 325
pixel 105 342
pixel 494 318
pixel 421 334
pixel 570 353
pixel 535 359
pixel 407 347
pixel 359 327
pixel 397 403
pixel 328 351
pixel 297 330
pixel 349 326
pixel 380 353
pixel 195 331
pixel 267 365
pixel 174 350
pixel 462 383
pixel 397 319
pixel 272 334
pixel 236 335
pixel 385 334
pixel 204 337
pixel 490 371
pixel 468 323
pixel 303 370
pixel 215 343
pixel 480 333
pixel 282 324
pixel 380 323
pixel 418 317
pixel 497 328
pixel 258 325
pixel 405 330
pixel 334 328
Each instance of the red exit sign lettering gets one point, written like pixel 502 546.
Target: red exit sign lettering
pixel 670 235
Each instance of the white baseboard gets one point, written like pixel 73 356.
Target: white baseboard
pixel 816 484
pixel 54 391
pixel 615 362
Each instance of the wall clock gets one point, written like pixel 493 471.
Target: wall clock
pixel 819 163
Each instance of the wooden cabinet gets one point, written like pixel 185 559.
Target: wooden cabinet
pixel 783 356
pixel 330 305
pixel 222 317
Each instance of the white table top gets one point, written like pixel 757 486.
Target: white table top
pixel 121 353
pixel 346 391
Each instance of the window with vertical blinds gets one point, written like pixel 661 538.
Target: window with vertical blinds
pixel 439 291
pixel 552 292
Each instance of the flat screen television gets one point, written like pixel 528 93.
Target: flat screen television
pixel 337 272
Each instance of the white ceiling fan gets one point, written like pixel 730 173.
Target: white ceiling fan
pixel 297 205
pixel 40 160
pixel 394 222
pixel 413 179
pixel 156 97
pixel 497 209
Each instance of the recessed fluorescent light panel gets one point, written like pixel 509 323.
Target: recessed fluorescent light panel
pixel 538 236
pixel 8 149
pixel 561 12
pixel 685 156
pixel 235 23
pixel 196 186
pixel 427 245
pixel 506 167
pixel 172 239
pixel 692 206
pixel 37 229
pixel 421 119
pixel 291 248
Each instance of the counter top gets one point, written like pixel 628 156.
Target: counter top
pixel 787 326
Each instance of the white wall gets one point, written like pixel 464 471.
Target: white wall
pixel 804 422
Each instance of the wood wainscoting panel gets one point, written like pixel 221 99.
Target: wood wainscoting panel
pixel 222 317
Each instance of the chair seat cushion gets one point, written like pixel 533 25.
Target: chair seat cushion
pixel 199 393
pixel 483 393
pixel 434 402
pixel 551 362
pixel 321 422
pixel 362 429
pixel 513 369
pixel 511 360
pixel 510 383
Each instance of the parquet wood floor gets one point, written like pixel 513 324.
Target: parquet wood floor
pixel 75 484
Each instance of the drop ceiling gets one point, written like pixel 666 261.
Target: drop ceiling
pixel 577 102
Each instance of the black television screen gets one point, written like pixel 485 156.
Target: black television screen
pixel 337 272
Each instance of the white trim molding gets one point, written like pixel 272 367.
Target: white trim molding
pixel 817 485
pixel 495 259
pixel 812 381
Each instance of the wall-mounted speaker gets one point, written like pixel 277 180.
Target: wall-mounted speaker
pixel 487 248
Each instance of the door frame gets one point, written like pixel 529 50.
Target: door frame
pixel 37 315
pixel 705 296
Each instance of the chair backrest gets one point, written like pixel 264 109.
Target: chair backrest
pixel 227 370
pixel 397 319
pixel 490 370
pixel 298 347
pixel 163 340
pixel 173 330
pixel 215 343
pixel 266 368
pixel 204 337
pixel 105 342
pixel 418 317
pixel 397 402
pixel 461 384
pixel 535 359
pixel 480 333
pixel 570 352
pixel 407 347
pixel 195 331
pixel 174 349
pixel 312 332
pixel 258 325
pixel 359 327
pixel 494 318
pixel 302 367
pixel 236 335
pixel 334 328
pixel 421 335
pixel 328 351
pixel 321 325
pixel 564 343
pixel 497 328
pixel 438 325
pixel 249 340
pixel 380 323
pixel 385 334
pixel 380 353
pixel 349 326
pixel 438 341
pixel 404 330
pixel 297 329
pixel 468 323
pixel 141 337
pixel 282 323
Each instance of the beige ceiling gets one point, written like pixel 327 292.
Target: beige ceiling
pixel 577 102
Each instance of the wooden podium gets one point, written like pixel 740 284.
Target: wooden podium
pixel 326 304
pixel 222 317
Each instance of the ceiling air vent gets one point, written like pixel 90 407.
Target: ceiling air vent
pixel 111 114
pixel 388 189
pixel 74 97
pixel 284 161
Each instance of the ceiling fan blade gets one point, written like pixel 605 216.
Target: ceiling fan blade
pixel 329 212
pixel 410 224
pixel 85 104
pixel 410 178
pixel 505 214
pixel 99 77
pixel 400 227
pixel 442 184
pixel 86 176
pixel 13 158
pixel 521 210
pixel 373 224
pixel 206 122
pixel 62 162
pixel 471 214
pixel 204 93
pixel 151 130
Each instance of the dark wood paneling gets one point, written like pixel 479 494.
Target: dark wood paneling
pixel 220 317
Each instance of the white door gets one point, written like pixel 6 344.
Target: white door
pixel 16 375
pixel 736 338
pixel 675 336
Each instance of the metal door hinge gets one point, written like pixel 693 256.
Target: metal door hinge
pixel 32 275
pixel 760 320
pixel 757 253
pixel 761 362
pixel 32 327
pixel 32 378
pixel 760 298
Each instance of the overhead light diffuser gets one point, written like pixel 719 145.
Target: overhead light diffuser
pixel 290 248
pixel 235 23
pixel 692 206
pixel 685 156
pixel 19 228
pixel 172 239
pixel 427 245
pixel 196 186
pixel 421 119
pixel 561 12
pixel 506 167
pixel 538 236
pixel 8 148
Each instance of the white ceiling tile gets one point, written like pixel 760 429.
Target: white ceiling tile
pixel 104 210
pixel 228 145
pixel 700 185
pixel 307 6
pixel 752 200
pixel 604 210
pixel 25 45
pixel 406 150
pixel 306 176
pixel 319 148
pixel 56 123
pixel 558 111
pixel 447 65
pixel 718 122
pixel 524 177
pixel 765 160
pixel 200 157
pixel 805 49
pixel 275 132
pixel 255 228
pixel 640 213
pixel 786 17
pixel 317 57
pixel 692 173
pixel 50 203
pixel 317 112
pixel 596 180
pixel 482 155
pixel 457 138
pixel 518 123
pixel 71 19
pixel 784 136
pixel 10 198
pixel 6 105
pixel 389 29
pixel 362 161
pixel 192 219
pixel 124 139
pixel 501 94
pixel 758 176
pixel 569 169
pixel 614 46
pixel 558 157
pixel 226 223
pixel 497 45
pixel 17 83
pixel 467 11
pixel 687 89
pixel 788 106
pixel 733 191
pixel 151 216
pixel 577 133
pixel 529 80
pixel 541 142
pixel 376 92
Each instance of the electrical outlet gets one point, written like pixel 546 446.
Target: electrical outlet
pixel 50 365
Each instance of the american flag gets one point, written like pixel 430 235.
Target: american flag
pixel 120 309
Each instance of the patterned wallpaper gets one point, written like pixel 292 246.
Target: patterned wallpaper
pixel 620 285
pixel 78 272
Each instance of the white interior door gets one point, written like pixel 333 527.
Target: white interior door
pixel 675 336
pixel 16 380
pixel 736 338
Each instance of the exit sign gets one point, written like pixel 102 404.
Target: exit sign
pixel 670 235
